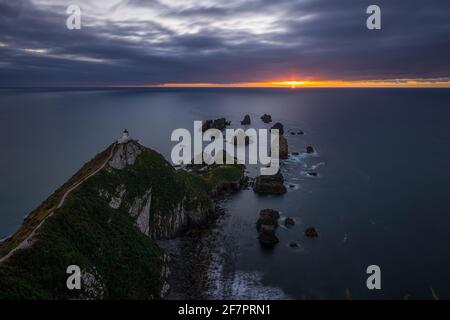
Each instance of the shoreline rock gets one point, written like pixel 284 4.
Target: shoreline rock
pixel 273 184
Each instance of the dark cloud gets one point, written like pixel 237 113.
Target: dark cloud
pixel 221 42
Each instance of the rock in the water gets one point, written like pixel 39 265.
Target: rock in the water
pixel 246 120
pixel 300 132
pixel 267 237
pixel 273 184
pixel 267 217
pixel 278 126
pixel 293 133
pixel 266 118
pixel 283 151
pixel 295 153
pixel 219 124
pixel 311 232
pixel 207 125
pixel 289 222
pixel 309 149
pixel 312 174
pixel 266 225
pixel 293 244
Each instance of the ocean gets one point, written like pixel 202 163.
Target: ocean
pixel 381 197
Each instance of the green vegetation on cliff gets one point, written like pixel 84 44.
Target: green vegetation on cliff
pixel 117 259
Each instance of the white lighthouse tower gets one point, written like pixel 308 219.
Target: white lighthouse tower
pixel 125 137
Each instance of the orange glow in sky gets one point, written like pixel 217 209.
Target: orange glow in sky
pixel 402 83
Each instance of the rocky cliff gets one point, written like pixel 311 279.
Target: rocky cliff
pixel 107 220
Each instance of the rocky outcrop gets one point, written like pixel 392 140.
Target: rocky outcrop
pixel 267 217
pixel 207 125
pixel 165 274
pixel 219 124
pixel 283 151
pixel 116 200
pixel 279 126
pixel 283 148
pixel 311 232
pixel 133 191
pixel 173 223
pixel 309 149
pixel 293 244
pixel 246 121
pixel 140 210
pixel 289 222
pixel 267 236
pixel 266 225
pixel 228 187
pixel 270 184
pixel 293 133
pixel 125 155
pixel 266 118
pixel 92 286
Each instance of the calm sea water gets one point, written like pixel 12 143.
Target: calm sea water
pixel 382 196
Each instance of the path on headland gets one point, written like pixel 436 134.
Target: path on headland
pixel 27 242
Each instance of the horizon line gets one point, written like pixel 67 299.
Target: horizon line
pixel 291 84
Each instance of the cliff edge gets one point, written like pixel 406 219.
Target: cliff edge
pixel 105 220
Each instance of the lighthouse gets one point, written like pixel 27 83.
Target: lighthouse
pixel 125 137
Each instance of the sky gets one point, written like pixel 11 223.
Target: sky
pixel 223 42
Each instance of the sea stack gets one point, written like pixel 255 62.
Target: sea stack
pixel 219 124
pixel 266 225
pixel 283 151
pixel 273 184
pixel 246 120
pixel 266 118
pixel 278 126
pixel 311 232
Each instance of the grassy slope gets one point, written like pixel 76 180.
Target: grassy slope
pixel 85 231
pixel 45 208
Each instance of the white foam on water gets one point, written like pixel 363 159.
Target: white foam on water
pixel 298 249
pixel 315 166
pixel 239 285
pixel 288 185
pixel 307 175
pixel 247 285
pixel 301 158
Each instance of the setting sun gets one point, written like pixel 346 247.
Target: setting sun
pixel 391 83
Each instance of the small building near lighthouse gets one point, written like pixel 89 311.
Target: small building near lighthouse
pixel 125 137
